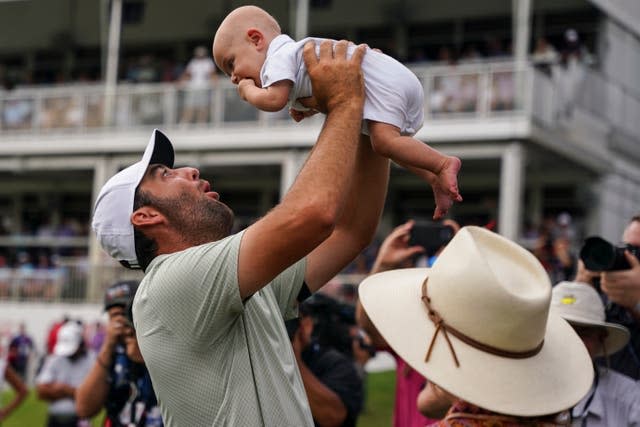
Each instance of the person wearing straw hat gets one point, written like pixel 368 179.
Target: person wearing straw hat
pixel 477 324
pixel 614 398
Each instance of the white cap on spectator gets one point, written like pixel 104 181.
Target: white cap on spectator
pixel 68 339
pixel 114 205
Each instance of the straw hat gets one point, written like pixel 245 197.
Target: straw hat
pixel 497 346
pixel 580 304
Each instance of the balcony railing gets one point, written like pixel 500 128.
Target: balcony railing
pixel 477 90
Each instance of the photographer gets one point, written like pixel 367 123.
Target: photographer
pixel 330 378
pixel 621 290
pixel 119 380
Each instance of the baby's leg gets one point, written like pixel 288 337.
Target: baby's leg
pixel 441 171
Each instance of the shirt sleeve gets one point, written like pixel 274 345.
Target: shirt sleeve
pixel 338 372
pixel 286 287
pixel 48 372
pixel 281 65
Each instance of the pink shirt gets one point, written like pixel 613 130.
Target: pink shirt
pixel 409 383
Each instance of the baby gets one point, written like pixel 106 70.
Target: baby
pixel 270 73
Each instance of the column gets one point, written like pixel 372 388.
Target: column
pixel 103 170
pixel 291 165
pixel 511 185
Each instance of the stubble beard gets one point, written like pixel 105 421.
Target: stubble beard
pixel 198 221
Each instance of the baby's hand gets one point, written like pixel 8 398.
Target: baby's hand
pixel 244 86
pixel 298 115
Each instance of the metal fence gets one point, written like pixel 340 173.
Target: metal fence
pixel 469 90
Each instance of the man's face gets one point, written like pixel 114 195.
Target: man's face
pixel 188 203
pixel 631 234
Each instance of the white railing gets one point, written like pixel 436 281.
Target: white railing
pixel 477 90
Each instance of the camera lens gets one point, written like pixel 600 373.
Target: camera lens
pixel 598 254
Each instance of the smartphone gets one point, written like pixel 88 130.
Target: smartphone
pixel 430 235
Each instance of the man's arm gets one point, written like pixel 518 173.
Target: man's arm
pixel 21 392
pixel 55 391
pixel 92 394
pixel 272 98
pixel 312 207
pixel 623 287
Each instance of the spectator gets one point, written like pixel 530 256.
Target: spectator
pixel 62 373
pixel 198 77
pixel 395 252
pixel 614 399
pixel 490 341
pixel 21 351
pixel 97 337
pixel 544 55
pixel 330 378
pixel 621 291
pixel 143 70
pixel 6 274
pixel 52 335
pixel 119 380
pixel 7 373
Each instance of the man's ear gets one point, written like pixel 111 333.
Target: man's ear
pixel 146 216
pixel 256 37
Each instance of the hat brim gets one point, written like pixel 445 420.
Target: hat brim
pixel 551 381
pixel 617 335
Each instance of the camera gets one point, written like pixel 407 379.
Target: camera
pixel 430 235
pixel 333 321
pixel 600 255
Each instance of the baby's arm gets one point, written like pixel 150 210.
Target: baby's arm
pixel 272 98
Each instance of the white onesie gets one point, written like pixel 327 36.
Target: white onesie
pixel 394 94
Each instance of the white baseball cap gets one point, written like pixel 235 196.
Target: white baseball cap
pixel 114 205
pixel 68 339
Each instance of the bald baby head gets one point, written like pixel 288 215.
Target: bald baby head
pixel 237 24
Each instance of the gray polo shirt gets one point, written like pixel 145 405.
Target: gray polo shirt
pixel 213 360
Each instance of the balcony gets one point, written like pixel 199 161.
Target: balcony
pixel 469 91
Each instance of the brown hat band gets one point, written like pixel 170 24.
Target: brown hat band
pixel 441 325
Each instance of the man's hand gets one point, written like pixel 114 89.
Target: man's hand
pixel 395 251
pixel 115 328
pixel 623 287
pixel 335 80
pixel 585 276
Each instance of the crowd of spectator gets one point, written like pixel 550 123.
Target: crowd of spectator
pixel 331 348
pixel 455 88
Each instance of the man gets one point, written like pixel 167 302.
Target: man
pixel 17 384
pixel 477 326
pixel 621 290
pixel 614 399
pixel 20 351
pixel 199 75
pixel 333 385
pixel 118 380
pixel 61 374
pixel 208 314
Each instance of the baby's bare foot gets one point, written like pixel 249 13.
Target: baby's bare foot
pixel 445 187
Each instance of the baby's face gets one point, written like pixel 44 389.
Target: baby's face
pixel 240 60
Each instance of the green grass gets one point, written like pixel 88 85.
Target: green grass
pixel 33 412
pixel 378 406
pixel 377 411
